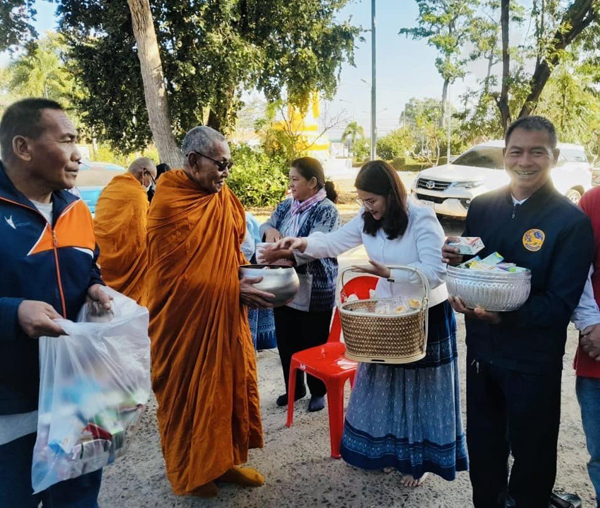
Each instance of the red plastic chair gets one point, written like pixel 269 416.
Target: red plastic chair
pixel 328 363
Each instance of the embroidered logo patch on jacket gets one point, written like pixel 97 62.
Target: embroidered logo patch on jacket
pixel 534 239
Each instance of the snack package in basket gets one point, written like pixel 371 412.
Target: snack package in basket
pixel 94 385
pixel 493 259
pixel 492 263
pixel 397 306
pixel 469 245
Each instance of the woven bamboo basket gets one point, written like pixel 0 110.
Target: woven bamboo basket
pixel 385 338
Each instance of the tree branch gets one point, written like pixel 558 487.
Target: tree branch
pixel 576 19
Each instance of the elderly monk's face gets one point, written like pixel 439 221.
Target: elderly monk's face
pixel 206 172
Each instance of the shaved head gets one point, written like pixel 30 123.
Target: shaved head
pixel 138 166
pixel 141 168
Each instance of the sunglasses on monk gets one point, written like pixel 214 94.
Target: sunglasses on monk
pixel 221 165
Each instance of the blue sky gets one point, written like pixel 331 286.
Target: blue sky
pixel 405 68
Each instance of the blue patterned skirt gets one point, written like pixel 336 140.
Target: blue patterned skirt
pixel 262 328
pixel 408 416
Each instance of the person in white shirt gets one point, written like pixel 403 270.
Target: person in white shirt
pixel 404 417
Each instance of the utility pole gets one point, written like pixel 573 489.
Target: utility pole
pixel 373 82
pixel 449 108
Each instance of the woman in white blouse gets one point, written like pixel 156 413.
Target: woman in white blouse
pixel 405 417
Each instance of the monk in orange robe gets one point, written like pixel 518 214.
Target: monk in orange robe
pixel 120 225
pixel 203 360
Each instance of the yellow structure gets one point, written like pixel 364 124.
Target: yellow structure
pixel 306 127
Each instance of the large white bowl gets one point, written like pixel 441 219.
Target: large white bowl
pixel 282 281
pixel 494 291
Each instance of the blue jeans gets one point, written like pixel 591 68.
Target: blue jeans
pixel 588 394
pixel 15 482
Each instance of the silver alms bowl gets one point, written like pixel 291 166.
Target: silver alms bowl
pixel 282 281
pixel 494 291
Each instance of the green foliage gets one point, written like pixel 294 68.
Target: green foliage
pixel 395 144
pixel 352 132
pixel 421 135
pixel 571 99
pixel 399 163
pixel 279 138
pixel 211 52
pixel 15 23
pixel 558 32
pixel 41 72
pixel 419 113
pixel 421 118
pixel 447 26
pixel 256 178
pixel 104 153
pixel 361 149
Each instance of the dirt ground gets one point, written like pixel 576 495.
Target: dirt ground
pixel 296 463
pixel 300 473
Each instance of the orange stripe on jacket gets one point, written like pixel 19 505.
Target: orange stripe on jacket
pixel 74 228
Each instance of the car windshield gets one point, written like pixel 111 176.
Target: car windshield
pixel 482 157
pixel 573 155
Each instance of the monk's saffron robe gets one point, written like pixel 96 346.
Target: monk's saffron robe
pixel 203 360
pixel 120 226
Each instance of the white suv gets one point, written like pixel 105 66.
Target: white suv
pixel 449 189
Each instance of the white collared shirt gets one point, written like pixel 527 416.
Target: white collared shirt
pixel 419 247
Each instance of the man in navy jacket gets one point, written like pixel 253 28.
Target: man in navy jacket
pixel 47 270
pixel 514 359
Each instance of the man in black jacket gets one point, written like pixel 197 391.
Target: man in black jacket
pixel 514 359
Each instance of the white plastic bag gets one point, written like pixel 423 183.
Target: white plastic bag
pixel 94 384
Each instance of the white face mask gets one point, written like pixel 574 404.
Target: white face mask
pixel 149 187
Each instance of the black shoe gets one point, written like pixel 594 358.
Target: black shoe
pixel 316 404
pixel 556 501
pixel 282 400
pixel 564 501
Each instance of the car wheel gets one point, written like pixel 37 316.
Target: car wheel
pixel 573 195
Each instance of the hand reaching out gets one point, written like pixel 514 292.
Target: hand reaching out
pixel 375 268
pixel 272 235
pixel 290 243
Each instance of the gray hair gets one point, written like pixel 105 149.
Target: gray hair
pixel 201 139
pixel 140 163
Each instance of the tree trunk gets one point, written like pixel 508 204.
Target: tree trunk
pixel 213 120
pixel 155 93
pixel 444 99
pixel 488 76
pixel 219 115
pixel 577 18
pixel 503 100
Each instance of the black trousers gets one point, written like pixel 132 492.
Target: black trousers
pixel 518 413
pixel 297 331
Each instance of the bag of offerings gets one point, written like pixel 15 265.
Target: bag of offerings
pixel 94 385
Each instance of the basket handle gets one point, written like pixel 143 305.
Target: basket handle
pixel 424 281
